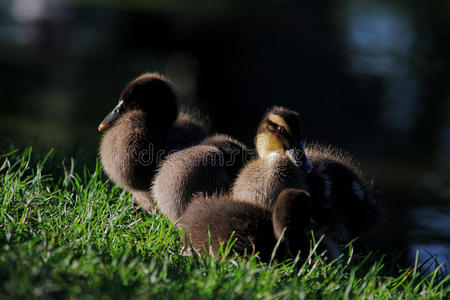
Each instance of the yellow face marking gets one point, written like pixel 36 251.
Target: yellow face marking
pixel 279 121
pixel 268 142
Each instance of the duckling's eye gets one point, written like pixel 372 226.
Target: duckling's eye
pixel 280 129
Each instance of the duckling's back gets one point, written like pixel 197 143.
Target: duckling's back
pixel 207 168
pixel 214 220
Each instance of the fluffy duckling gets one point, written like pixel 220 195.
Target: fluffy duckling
pixel 209 167
pixel 141 131
pixel 342 202
pixel 345 204
pixel 255 228
pixel 281 162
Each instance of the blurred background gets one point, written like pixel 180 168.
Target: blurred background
pixel 371 77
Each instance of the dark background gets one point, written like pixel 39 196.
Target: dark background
pixel 371 77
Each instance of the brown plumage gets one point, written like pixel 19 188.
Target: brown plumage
pixel 216 218
pixel 280 164
pixel 141 131
pixel 207 168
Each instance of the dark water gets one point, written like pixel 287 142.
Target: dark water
pixel 372 77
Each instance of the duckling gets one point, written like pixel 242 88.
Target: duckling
pixel 209 167
pixel 346 207
pixel 212 220
pixel 342 202
pixel 281 162
pixel 141 131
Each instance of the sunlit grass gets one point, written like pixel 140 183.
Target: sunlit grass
pixel 66 231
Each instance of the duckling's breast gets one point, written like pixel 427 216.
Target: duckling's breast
pixel 121 149
pixel 262 180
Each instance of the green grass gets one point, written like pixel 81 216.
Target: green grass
pixel 70 234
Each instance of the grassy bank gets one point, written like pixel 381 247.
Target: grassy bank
pixel 66 231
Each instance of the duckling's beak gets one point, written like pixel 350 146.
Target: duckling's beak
pixel 111 117
pixel 303 162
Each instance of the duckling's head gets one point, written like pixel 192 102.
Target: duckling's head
pixel 292 214
pixel 281 131
pixel 150 93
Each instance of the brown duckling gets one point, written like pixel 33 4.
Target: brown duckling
pixel 281 162
pixel 254 228
pixel 141 131
pixel 207 168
